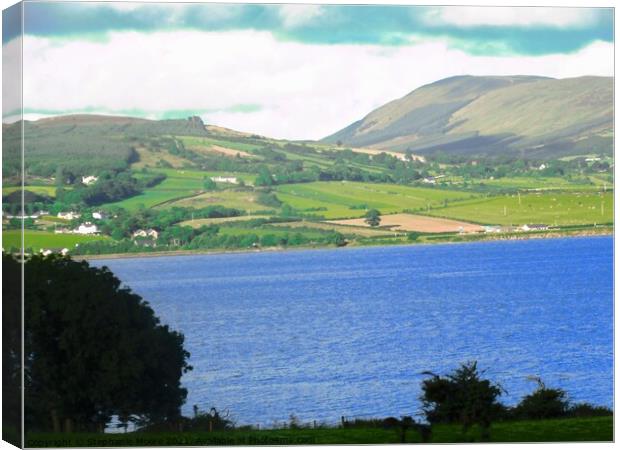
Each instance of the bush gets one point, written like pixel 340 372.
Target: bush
pixel 588 410
pixel 543 403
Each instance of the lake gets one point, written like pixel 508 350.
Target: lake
pixel 348 332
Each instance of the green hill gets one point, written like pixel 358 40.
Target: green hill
pixel 534 116
pixel 86 143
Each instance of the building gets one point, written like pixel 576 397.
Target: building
pixel 90 179
pixel 99 215
pixel 86 228
pixel 68 215
pixel 492 229
pixel 220 179
pixel 49 251
pixel 534 227
pixel 153 234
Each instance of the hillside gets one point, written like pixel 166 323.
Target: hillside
pixel 87 142
pixel 534 116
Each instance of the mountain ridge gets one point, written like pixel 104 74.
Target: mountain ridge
pixel 536 116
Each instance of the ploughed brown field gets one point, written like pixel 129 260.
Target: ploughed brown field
pixel 412 222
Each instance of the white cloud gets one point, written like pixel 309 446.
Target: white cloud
pixel 11 79
pixel 468 16
pixel 294 15
pixel 306 91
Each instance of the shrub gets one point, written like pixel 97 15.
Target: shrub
pixel 543 403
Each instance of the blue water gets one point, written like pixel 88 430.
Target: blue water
pixel 326 333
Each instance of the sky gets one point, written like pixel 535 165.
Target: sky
pixel 293 71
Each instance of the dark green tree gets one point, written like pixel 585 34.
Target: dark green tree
pixel 373 218
pixel 461 397
pixel 95 349
pixel 11 351
pixel 208 184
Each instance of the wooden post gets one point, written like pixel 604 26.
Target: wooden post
pixel 210 426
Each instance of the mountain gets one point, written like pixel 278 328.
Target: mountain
pixel 533 116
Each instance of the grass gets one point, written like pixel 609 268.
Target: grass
pixel 344 229
pixel 244 200
pixel 350 199
pixel 50 191
pixel 265 230
pixel 549 208
pixel 551 430
pixel 192 141
pixel 179 184
pixel 44 239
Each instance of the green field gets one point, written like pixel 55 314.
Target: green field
pixel 50 191
pixel 244 200
pixel 265 230
pixel 44 239
pixel 552 208
pixel 194 141
pixel 350 199
pixel 179 184
pixel 552 430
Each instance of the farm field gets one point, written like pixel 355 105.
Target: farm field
pixel 363 231
pixel 412 222
pixel 44 239
pixel 149 158
pixel 265 230
pixel 552 208
pixel 205 143
pixel 245 200
pixel 180 183
pixel 548 183
pixel 197 223
pixel 335 199
pixel 50 191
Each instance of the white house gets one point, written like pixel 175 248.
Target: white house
pixel 146 233
pixel 534 227
pixel 90 179
pixel 220 179
pixel 68 215
pixel 492 229
pixel 49 251
pixel 429 180
pixel 542 167
pixel 100 215
pixel 86 228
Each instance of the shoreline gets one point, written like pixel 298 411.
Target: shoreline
pixel 509 237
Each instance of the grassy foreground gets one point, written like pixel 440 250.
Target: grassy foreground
pixel 552 430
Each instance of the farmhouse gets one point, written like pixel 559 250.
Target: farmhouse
pixel 100 215
pixel 86 228
pixel 49 251
pixel 220 179
pixel 534 227
pixel 90 179
pixel 68 215
pixel 492 229
pixel 146 233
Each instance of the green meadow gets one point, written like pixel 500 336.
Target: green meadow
pixel 551 208
pixel 351 199
pixel 179 184
pixel 37 240
pixel 50 191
